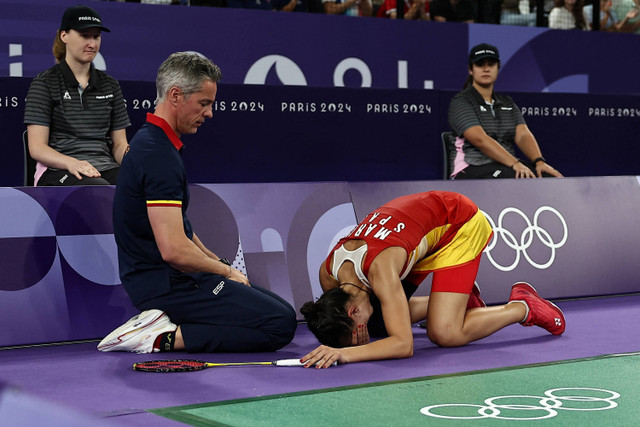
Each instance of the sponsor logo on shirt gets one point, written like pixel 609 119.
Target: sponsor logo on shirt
pixel 104 96
pixel 218 288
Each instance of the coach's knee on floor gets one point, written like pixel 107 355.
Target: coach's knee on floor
pixel 283 329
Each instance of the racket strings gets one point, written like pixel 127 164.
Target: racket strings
pixel 183 365
pixel 170 365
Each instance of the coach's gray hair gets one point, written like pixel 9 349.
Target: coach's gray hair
pixel 186 71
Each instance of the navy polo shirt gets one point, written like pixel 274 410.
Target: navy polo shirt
pixel 152 174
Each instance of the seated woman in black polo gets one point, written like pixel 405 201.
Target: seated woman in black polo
pixel 488 126
pixel 75 114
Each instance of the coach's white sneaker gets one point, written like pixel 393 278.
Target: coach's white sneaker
pixel 139 333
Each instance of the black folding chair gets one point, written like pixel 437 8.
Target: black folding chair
pixel 29 162
pixel 448 151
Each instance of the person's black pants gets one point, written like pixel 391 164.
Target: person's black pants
pixel 491 170
pixel 220 315
pixel 53 177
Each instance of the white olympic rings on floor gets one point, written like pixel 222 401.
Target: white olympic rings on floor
pixel 526 237
pixel 549 404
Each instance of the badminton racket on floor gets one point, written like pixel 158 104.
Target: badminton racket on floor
pixel 185 365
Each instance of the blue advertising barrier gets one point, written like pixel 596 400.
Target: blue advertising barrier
pixel 570 238
pixel 300 134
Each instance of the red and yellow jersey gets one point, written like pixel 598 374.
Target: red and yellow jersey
pixel 437 229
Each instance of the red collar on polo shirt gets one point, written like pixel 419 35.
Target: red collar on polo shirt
pixel 162 124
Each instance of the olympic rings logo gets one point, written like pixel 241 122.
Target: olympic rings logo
pixel 526 237
pixel 547 405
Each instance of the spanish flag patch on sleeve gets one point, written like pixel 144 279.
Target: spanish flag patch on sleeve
pixel 170 203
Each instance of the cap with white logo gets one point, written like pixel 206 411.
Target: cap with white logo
pixel 81 17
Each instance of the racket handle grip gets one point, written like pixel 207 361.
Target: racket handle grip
pixel 292 362
pixel 288 362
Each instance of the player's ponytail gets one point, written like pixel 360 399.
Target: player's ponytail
pixel 327 318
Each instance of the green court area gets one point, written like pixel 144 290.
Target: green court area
pixel 582 392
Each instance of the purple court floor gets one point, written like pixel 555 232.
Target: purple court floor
pixel 103 386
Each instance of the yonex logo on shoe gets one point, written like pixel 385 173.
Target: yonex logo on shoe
pixel 558 321
pixel 218 288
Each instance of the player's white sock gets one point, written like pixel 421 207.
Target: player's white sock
pixel 526 306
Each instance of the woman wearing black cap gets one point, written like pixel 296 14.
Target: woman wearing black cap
pixel 75 114
pixel 486 127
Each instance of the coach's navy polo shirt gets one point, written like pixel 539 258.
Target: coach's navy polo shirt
pixel 152 174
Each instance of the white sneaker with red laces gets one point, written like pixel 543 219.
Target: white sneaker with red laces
pixel 139 333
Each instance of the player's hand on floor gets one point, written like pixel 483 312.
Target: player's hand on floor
pixel 323 357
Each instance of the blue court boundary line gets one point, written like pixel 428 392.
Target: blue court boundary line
pixel 175 412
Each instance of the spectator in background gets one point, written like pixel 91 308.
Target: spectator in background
pixel 290 5
pixel 488 126
pixel 348 7
pixel 75 114
pixel 413 10
pixel 516 12
pixel 630 9
pixel 452 11
pixel 608 17
pixel 568 15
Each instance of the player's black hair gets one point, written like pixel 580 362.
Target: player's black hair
pixel 327 318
